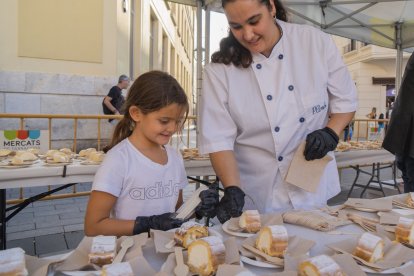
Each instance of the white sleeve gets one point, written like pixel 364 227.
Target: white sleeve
pixel 218 131
pixel 341 87
pixel 110 176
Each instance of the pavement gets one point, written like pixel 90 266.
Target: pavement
pixel 52 227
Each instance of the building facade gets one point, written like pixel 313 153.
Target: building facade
pixel 62 57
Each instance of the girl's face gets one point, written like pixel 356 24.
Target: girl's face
pixel 253 25
pixel 159 126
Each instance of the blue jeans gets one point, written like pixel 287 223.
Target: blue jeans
pixel 406 165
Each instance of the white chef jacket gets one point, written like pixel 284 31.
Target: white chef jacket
pixel 265 111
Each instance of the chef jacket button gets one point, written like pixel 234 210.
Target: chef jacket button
pixel 301 119
pixel 280 56
pixel 277 129
pixel 280 158
pixel 290 87
pixel 269 97
pixel 258 66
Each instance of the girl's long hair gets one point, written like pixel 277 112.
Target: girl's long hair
pixel 231 51
pixel 150 92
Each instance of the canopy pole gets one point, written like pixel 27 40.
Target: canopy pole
pixel 199 64
pixel 399 58
pixel 207 36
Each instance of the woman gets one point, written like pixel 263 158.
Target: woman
pixel 372 114
pixel 271 86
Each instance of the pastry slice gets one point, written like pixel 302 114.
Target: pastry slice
pixel 321 265
pixel 410 199
pixel 273 240
pixel 250 221
pixel 85 152
pixel 103 250
pixel 26 156
pixel 61 157
pixel 205 255
pixel 404 232
pixel 50 153
pixel 119 269
pixel 189 232
pixel 12 262
pixel 370 248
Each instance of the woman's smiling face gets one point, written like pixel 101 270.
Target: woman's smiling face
pixel 253 25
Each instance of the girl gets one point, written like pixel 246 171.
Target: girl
pixel 140 182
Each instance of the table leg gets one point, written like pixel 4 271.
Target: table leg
pixel 2 219
pixel 370 180
pixel 355 180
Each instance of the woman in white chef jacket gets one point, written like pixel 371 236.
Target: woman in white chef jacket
pixel 271 86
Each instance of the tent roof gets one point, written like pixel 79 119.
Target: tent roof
pixel 369 21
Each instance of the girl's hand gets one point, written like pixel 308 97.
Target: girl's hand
pixel 209 202
pixel 162 222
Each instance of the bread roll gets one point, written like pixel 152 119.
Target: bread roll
pixel 370 248
pixel 119 269
pixel 12 262
pixel 273 240
pixel 189 232
pixel 321 265
pixel 205 255
pixel 250 221
pixel 404 232
pixel 103 250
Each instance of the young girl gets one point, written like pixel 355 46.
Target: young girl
pixel 140 182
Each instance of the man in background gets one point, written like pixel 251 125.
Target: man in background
pixel 399 138
pixel 112 103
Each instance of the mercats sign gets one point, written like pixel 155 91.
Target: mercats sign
pixel 24 139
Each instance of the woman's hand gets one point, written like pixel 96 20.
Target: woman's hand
pixel 209 202
pixel 320 142
pixel 231 205
pixel 162 222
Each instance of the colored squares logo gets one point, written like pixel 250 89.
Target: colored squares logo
pixel 21 134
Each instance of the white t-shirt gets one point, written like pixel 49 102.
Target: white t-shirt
pixel 143 187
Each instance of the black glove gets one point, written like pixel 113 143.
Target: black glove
pixel 159 222
pixel 209 202
pixel 319 143
pixel 231 205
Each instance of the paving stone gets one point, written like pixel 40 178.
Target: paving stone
pixel 50 243
pixel 43 203
pixel 72 215
pixel 74 238
pixel 19 228
pixel 35 233
pixel 74 227
pixel 59 222
pixel 19 221
pixel 57 212
pixel 28 245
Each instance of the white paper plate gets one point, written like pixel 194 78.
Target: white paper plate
pixel 249 261
pixel 233 233
pixel 388 271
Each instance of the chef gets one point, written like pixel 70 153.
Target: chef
pixel 271 86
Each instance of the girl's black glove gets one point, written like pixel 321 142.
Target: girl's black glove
pixel 209 202
pixel 231 205
pixel 162 222
pixel 319 143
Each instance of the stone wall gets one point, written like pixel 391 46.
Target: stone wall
pixel 48 93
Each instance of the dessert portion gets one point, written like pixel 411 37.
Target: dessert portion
pixel 22 158
pixel 34 151
pixel 50 153
pixel 189 232
pixel 12 262
pixel 5 152
pixel 273 240
pixel 86 152
pixel 410 199
pixel 60 157
pixel 250 221
pixel 96 156
pixel 103 250
pixel 205 255
pixel 321 265
pixel 370 248
pixel 119 269
pixel 192 153
pixel 404 232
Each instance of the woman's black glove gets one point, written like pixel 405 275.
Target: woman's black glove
pixel 209 202
pixel 320 142
pixel 231 205
pixel 159 222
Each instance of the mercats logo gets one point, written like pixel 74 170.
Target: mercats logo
pixel 21 134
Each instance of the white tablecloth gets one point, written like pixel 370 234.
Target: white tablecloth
pixel 363 157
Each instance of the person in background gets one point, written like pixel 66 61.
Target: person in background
pixel 112 103
pixel 348 131
pixel 380 124
pixel 372 114
pixel 139 184
pixel 399 138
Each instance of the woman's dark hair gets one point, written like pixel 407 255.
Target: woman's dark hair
pixel 150 92
pixel 231 51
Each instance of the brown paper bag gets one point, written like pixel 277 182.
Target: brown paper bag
pixel 296 246
pixel 380 204
pixel 395 254
pixel 306 174
pixel 400 201
pixel 345 262
pixel 232 257
pixel 266 220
